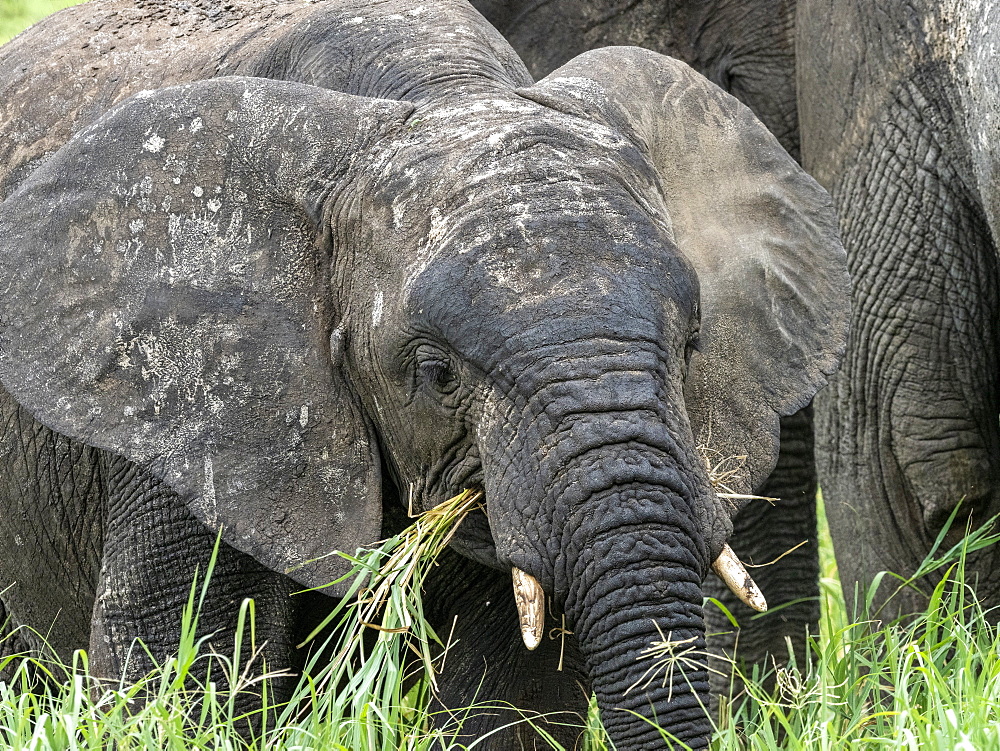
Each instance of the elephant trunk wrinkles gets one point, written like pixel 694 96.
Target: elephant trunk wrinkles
pixel 632 591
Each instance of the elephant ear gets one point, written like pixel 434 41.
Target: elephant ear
pixel 167 297
pixel 760 233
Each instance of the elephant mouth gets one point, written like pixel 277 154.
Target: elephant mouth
pixel 530 597
pixel 474 539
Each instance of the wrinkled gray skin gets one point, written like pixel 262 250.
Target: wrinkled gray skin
pixel 748 49
pixel 371 263
pixel 900 115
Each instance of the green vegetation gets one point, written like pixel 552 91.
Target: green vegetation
pixel 16 15
pixel 930 683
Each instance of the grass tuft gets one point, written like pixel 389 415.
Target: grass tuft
pixel 722 470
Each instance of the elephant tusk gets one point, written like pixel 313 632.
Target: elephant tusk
pixel 530 601
pixel 728 568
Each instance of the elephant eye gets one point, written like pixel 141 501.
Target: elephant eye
pixel 436 373
pixel 693 344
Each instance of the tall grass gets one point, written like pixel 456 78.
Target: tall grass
pixel 930 682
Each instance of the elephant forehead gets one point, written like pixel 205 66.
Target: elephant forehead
pixel 505 122
pixel 565 275
pixel 527 201
pixel 565 249
pixel 496 148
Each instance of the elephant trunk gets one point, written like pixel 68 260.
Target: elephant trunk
pixel 635 605
pixel 599 494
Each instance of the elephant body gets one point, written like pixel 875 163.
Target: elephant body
pixel 899 106
pixel 271 268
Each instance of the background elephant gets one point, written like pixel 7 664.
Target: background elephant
pixel 316 256
pixel 748 49
pixel 899 107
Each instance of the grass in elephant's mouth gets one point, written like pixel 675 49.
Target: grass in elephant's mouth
pixel 402 563
pixel 387 582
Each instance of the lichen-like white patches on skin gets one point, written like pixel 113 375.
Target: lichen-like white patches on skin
pixel 377 307
pixel 199 239
pixel 208 491
pixel 177 368
pixel 333 477
pixel 213 205
pixel 198 191
pixel 439 226
pixel 398 209
pixel 154 143
pixel 304 416
pixel 197 125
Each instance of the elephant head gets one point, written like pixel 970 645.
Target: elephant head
pixel 267 292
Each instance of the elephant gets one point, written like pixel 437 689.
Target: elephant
pixel 899 107
pixel 277 271
pixel 748 49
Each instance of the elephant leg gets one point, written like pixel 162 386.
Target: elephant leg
pixel 472 607
pixel 762 533
pixel 153 549
pixel 14 641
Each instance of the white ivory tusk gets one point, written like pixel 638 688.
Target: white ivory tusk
pixel 728 568
pixel 530 601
